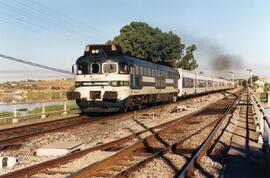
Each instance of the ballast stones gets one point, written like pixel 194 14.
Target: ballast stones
pixel 60 148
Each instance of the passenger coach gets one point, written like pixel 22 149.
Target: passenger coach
pixel 107 80
pixel 191 83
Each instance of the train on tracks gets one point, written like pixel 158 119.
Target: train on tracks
pixel 107 80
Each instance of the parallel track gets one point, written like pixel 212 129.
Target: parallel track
pixel 12 135
pixel 169 139
pixel 115 145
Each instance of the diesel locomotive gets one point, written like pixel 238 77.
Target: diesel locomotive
pixel 107 80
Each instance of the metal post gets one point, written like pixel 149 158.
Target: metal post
pixel 65 108
pixel 261 123
pixel 268 99
pixel 153 115
pixel 258 119
pixel 267 133
pixel 15 119
pixel 232 75
pixel 250 72
pixel 43 115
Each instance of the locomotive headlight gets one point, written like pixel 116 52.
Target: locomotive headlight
pixel 120 83
pixel 77 84
pixel 114 83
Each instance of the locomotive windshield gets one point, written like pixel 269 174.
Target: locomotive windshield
pixel 95 68
pixel 123 68
pixel 83 68
pixel 109 68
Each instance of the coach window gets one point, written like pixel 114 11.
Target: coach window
pixel 137 72
pixel 144 71
pixel 123 68
pixel 109 67
pixel 149 72
pixel 141 70
pixel 131 69
pixel 94 68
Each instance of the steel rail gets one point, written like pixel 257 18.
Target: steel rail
pixel 61 160
pixel 32 130
pixel 28 171
pixel 99 166
pixel 90 121
pixel 188 169
pixel 175 148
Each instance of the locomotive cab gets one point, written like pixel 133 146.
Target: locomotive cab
pixel 101 76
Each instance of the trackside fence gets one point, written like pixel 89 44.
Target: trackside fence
pixel 16 117
pixel 262 127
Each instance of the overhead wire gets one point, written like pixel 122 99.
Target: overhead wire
pixel 27 15
pixel 69 19
pixel 35 64
pixel 40 16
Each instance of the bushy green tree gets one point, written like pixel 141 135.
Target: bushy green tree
pixel 140 40
pixel 188 62
pixel 245 83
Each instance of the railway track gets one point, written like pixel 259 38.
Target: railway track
pixel 170 139
pixel 9 137
pixel 18 134
pixel 12 135
pixel 167 137
pixel 114 145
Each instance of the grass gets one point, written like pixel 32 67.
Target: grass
pixel 6 114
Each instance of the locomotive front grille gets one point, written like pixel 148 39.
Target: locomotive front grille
pixel 95 95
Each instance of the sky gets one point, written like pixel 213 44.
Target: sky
pixel 54 33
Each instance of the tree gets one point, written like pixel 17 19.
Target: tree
pixel 188 62
pixel 244 83
pixel 140 40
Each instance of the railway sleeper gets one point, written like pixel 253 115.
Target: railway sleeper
pixel 101 174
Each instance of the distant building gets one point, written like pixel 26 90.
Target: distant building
pixel 20 92
pixel 260 83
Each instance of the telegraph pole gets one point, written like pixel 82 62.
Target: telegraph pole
pixel 250 73
pixel 232 75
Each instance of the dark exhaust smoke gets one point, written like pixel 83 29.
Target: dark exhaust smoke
pixel 218 59
pixel 226 62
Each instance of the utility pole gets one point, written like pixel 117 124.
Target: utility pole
pixel 250 73
pixel 232 75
